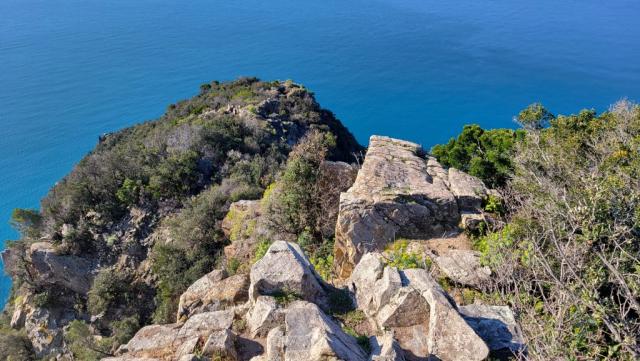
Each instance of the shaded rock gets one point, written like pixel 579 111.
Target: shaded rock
pixel 274 350
pixel 385 348
pixel 472 220
pixel 468 190
pixel 313 336
pixel 396 194
pixel 44 332
pixel 335 178
pixel 406 308
pixel 386 287
pixel 363 280
pixel 496 325
pixel 285 268
pixel 264 316
pixel 50 268
pixel 463 266
pixel 213 292
pixel 449 336
pixel 221 344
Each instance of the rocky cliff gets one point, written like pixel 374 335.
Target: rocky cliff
pixel 198 268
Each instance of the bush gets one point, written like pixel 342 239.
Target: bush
pixel 568 258
pixel 399 257
pixel 485 154
pixel 110 288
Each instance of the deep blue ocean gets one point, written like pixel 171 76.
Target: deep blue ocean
pixel 71 70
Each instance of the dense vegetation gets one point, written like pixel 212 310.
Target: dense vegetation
pixel 568 258
pixel 155 194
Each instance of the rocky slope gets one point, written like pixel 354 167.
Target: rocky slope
pixel 283 310
pixel 189 265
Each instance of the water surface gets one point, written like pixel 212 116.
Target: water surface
pixel 71 70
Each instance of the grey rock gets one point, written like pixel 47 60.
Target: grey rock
pixel 363 281
pixel 463 266
pixel 285 268
pixel 468 190
pixel 50 268
pixel 221 343
pixel 449 336
pixel 263 316
pixel 397 193
pixel 385 348
pixel 496 325
pixel 154 341
pixel 313 336
pixel 213 292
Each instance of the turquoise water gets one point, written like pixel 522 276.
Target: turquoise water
pixel 415 69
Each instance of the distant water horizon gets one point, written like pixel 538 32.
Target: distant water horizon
pixel 71 70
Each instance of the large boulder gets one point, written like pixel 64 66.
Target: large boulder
pixel 313 336
pixel 48 267
pixel 449 336
pixel 285 269
pixel 214 291
pixel 497 326
pixel 399 193
pixel 173 341
pixel 468 190
pixel 264 315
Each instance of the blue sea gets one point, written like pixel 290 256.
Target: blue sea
pixel 71 70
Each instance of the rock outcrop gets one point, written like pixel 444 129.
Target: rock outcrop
pixel 284 269
pixel 424 319
pixel 215 291
pixel 463 267
pixel 51 268
pixel 400 192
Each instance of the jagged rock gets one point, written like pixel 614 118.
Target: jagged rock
pixel 335 178
pixel 21 308
pixel 221 344
pixel 155 341
pixel 44 332
pixel 385 348
pixel 264 316
pixel 363 281
pixel 397 193
pixel 497 327
pixel 175 340
pixel 50 268
pixel 274 348
pixel 386 287
pixel 449 336
pixel 213 292
pixel 463 266
pixel 285 268
pixel 468 190
pixel 206 322
pixel 472 220
pixel 406 308
pixel 313 336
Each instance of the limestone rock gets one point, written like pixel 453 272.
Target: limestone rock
pixel 335 178
pixel 264 316
pixel 396 194
pixel 285 268
pixel 496 325
pixel 449 336
pixel 313 336
pixel 213 292
pixel 363 281
pixel 463 266
pixel 44 331
pixel 468 190
pixel 385 348
pixel 386 287
pixel 274 348
pixel 155 341
pixel 221 343
pixel 50 268
pixel 203 323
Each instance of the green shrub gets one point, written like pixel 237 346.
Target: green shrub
pixel 485 154
pixel 261 250
pixel 399 257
